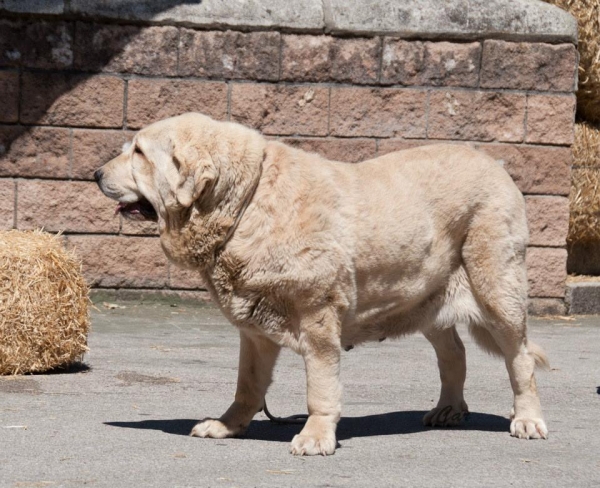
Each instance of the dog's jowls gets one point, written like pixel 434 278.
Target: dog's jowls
pixel 318 255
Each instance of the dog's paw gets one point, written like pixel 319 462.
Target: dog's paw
pixel 524 428
pixel 213 428
pixel 304 445
pixel 448 416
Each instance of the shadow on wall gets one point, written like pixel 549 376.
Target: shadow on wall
pixel 122 7
pixel 52 57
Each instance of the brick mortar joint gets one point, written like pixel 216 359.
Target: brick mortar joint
pixel 380 59
pixel 125 100
pixel 70 154
pixel 480 67
pixel 525 117
pixel 126 77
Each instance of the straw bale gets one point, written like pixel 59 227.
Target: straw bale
pixel 586 150
pixel 587 13
pixel 584 222
pixel 44 317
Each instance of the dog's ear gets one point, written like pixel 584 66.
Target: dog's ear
pixel 197 173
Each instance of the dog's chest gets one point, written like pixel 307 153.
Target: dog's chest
pixel 244 303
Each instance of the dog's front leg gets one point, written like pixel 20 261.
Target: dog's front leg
pixel 320 345
pixel 257 359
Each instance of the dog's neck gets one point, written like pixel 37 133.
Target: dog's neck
pixel 240 212
pixel 201 236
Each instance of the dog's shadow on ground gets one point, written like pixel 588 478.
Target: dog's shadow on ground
pixel 393 423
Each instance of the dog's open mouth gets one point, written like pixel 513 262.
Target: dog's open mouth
pixel 140 210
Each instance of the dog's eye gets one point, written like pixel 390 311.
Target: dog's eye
pixel 137 150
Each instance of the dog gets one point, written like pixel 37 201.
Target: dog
pixel 318 256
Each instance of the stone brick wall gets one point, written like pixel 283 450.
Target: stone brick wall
pixel 73 91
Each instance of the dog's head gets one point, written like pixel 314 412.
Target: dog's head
pixel 175 163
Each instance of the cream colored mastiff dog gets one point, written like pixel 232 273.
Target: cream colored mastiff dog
pixel 319 255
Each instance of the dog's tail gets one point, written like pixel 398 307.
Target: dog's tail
pixel 541 360
pixel 484 339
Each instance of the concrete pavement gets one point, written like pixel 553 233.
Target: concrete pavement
pixel 155 369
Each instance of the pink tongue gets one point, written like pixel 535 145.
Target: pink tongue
pixel 133 208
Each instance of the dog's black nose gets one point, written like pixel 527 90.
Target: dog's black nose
pixel 98 175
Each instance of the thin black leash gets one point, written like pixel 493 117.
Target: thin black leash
pixel 298 418
pixel 292 419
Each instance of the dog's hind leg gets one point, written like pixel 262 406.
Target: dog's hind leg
pixel 257 359
pixel 526 417
pixel 451 407
pixel 521 357
pixel 494 256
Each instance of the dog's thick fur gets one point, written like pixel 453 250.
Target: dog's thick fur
pixel 318 255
